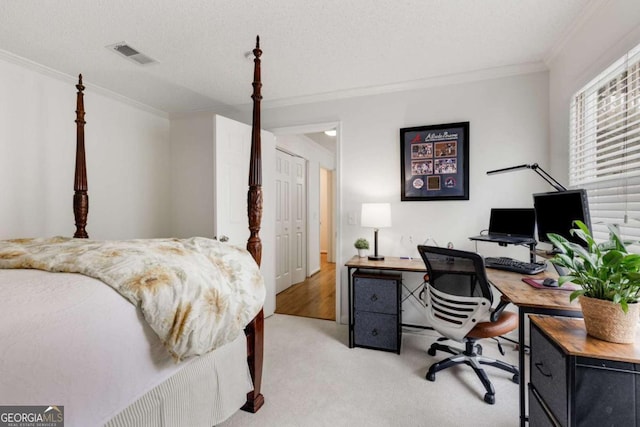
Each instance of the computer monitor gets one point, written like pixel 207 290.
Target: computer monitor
pixel 556 211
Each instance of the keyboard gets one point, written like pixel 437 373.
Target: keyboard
pixel 510 264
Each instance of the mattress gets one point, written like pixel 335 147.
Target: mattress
pixel 71 340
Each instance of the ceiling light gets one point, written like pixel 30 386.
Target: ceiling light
pixel 330 132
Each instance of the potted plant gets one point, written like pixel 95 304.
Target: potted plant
pixel 362 245
pixel 609 279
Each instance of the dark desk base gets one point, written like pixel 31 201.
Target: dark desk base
pixel 376 315
pixel 522 313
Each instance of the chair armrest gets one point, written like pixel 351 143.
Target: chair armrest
pixel 495 315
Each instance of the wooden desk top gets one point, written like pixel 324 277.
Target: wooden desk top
pixel 411 265
pixel 519 293
pixel 571 336
pixel 508 283
pixel 388 263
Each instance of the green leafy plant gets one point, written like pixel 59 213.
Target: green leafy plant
pixel 361 243
pixel 605 271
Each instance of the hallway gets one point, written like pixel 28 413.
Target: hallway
pixel 315 297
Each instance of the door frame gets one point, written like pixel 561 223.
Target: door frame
pixel 337 194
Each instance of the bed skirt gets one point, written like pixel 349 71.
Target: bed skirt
pixel 205 393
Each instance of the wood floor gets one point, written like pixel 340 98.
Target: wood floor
pixel 315 297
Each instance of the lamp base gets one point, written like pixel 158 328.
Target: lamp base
pixel 376 257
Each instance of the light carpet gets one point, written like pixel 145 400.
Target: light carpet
pixel 312 378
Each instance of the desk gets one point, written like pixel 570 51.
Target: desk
pixel 395 264
pixel 569 368
pixel 530 300
pixel 414 265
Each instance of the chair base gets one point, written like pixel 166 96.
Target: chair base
pixel 471 356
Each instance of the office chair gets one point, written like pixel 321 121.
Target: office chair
pixel 458 306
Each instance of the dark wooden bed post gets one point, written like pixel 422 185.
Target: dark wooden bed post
pixel 255 329
pixel 80 197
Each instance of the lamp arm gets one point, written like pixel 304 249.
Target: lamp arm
pixel 551 180
pixel 537 169
pixel 509 169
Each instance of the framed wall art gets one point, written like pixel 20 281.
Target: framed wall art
pixel 435 162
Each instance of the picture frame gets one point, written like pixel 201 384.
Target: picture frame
pixel 434 162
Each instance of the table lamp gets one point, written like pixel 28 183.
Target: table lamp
pixel 376 215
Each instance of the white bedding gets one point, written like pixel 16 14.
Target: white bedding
pixel 67 339
pixel 197 294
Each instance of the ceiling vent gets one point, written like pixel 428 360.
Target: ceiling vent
pixel 131 54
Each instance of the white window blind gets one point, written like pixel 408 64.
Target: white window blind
pixel 604 153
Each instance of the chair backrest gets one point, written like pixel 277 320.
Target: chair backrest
pixel 457 290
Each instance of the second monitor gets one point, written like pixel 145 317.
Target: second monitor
pixel 556 211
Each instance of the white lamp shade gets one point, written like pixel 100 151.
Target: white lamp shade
pixel 376 215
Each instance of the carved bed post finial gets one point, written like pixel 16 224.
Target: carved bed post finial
pixel 254 330
pixel 80 197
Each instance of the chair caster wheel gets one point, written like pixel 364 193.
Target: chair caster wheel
pixel 490 398
pixel 431 351
pixel 516 378
pixel 431 376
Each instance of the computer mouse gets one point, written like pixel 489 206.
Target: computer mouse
pixel 549 282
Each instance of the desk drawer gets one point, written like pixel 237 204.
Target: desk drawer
pixel 376 330
pixel 606 393
pixel 376 293
pixel 549 374
pixel 538 415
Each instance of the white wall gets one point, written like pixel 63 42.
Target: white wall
pixel 192 176
pixel 604 36
pixel 317 157
pixel 127 160
pixel 508 126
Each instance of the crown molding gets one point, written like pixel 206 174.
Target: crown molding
pixel 590 9
pixel 444 80
pixel 50 72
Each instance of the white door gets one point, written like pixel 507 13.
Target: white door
pixel 232 149
pixel 283 220
pixel 291 263
pixel 298 218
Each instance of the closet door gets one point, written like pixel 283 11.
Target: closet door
pixel 299 220
pixel 283 220
pixel 291 220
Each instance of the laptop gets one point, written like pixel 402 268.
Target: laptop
pixel 510 226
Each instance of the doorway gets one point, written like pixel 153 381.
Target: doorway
pixel 316 295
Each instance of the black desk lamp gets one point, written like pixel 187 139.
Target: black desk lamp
pixel 376 215
pixel 537 169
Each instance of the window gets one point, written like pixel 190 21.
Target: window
pixel 604 152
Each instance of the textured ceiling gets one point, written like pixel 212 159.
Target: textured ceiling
pixel 313 49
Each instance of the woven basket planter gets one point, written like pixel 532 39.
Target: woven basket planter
pixel 605 320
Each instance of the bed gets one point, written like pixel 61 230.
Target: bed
pixel 106 352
